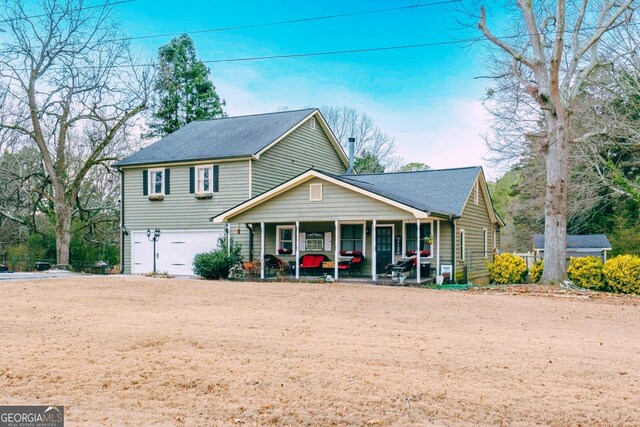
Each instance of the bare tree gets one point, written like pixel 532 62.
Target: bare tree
pixel 346 122
pixel 553 53
pixel 68 87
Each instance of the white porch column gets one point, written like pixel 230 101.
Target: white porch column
pixel 438 247
pixel 373 251
pixel 418 248
pixel 262 233
pixel 336 244
pixel 297 249
pixel 228 238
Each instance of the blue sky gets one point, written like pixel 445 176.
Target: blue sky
pixel 426 97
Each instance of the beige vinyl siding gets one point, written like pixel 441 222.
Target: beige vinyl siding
pixel 338 203
pixel 302 149
pixel 445 242
pixel 474 218
pixel 180 210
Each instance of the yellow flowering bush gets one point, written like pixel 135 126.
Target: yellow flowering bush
pixel 622 274
pixel 535 273
pixel 507 269
pixel 586 272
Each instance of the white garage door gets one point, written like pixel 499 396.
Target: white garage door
pixel 174 251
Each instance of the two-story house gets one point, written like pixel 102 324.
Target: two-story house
pixel 178 183
pixel 277 184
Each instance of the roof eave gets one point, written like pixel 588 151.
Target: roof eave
pixel 185 161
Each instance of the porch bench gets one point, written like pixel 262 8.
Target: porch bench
pixel 312 262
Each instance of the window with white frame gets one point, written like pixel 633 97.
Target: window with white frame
pixel 204 179
pixel 314 241
pixel 351 237
pixel 462 245
pixel 426 239
pixel 285 237
pixel 156 181
pixel 495 240
pixel 312 122
pixel 485 242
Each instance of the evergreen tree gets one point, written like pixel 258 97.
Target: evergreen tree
pixel 184 92
pixel 368 163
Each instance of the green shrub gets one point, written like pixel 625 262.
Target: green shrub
pixel 586 272
pixel 216 264
pixel 622 274
pixel 535 273
pixel 507 269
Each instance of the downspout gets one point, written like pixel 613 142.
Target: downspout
pixel 453 248
pixel 122 226
pixel 250 228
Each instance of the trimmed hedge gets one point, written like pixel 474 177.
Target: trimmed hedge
pixel 586 272
pixel 622 274
pixel 507 269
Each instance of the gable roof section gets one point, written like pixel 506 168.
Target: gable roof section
pixel 442 191
pixel 226 138
pixel 577 241
pixel 304 177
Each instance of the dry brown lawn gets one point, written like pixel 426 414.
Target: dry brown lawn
pixel 139 351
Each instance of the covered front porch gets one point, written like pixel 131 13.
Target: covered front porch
pixel 317 224
pixel 366 249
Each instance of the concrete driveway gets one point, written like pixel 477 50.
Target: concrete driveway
pixel 34 275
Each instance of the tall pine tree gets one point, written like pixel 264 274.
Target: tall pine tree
pixel 184 92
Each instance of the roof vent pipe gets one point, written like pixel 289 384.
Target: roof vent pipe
pixel 352 143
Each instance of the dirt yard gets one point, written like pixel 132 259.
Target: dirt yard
pixel 134 351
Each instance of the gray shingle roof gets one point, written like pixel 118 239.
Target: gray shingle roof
pixel 575 241
pixel 226 137
pixel 443 191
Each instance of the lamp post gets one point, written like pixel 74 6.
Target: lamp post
pixel 154 238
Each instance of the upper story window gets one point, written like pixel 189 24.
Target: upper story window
pixel 312 122
pixel 156 181
pixel 204 180
pixel 204 176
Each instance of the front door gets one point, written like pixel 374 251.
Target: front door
pixel 384 247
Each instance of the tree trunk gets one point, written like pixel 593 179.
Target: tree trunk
pixel 555 221
pixel 63 233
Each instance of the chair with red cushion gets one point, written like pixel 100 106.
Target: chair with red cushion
pixel 354 264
